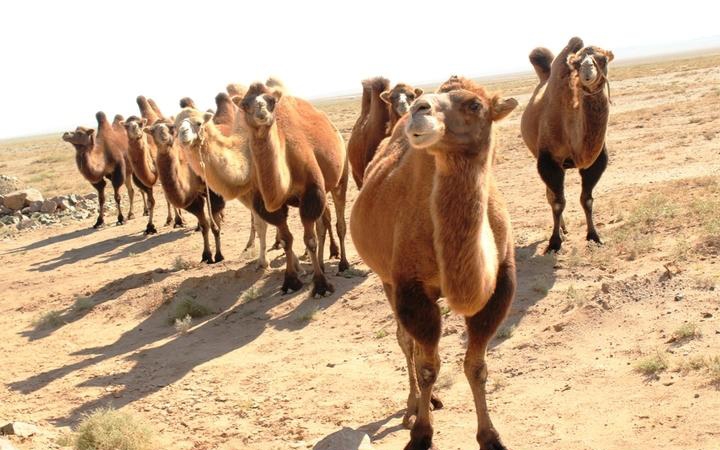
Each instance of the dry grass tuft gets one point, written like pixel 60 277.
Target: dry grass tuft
pixel 108 429
pixel 188 307
pixel 651 365
pixel 50 319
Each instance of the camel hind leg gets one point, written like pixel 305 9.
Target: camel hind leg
pixel 339 195
pixel 480 328
pixel 590 178
pixel 217 206
pixel 554 177
pixel 312 204
pixel 327 224
pixel 117 180
pixel 197 208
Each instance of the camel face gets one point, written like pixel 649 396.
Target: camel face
pixel 190 125
pixel 590 63
pixel 134 127
pixel 81 137
pixel 426 124
pixel 401 97
pixel 162 133
pixel 259 110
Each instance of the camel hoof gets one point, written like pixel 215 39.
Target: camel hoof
pixel 436 403
pixel 261 265
pixel 321 287
pixel 219 257
pixel 197 228
pixel 593 236
pixel 554 245
pixel 150 229
pixel 291 283
pixel 343 266
pixel 206 258
pixel 168 222
pixel 408 421
pixel 131 216
pixel 421 443
pixel 278 245
pixel 145 213
pixel 491 441
pixel 99 224
pixel 179 223
pixel 121 220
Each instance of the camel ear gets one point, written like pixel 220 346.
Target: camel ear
pixel 207 117
pixel 385 96
pixel 148 130
pixel 610 55
pixel 418 92
pixel 277 93
pixel 66 136
pixel 171 128
pixel 237 100
pixel 502 107
pixel 573 61
pixel 90 131
pixel 144 122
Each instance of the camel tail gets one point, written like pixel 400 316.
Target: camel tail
pixel 372 87
pixel 541 59
pixel 187 102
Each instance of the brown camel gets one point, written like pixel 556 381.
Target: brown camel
pixel 428 193
pixel 564 125
pixel 142 152
pixel 380 110
pixel 185 189
pixel 104 155
pixel 298 156
pixel 226 158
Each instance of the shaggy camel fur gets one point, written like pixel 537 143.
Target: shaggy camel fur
pixel 298 156
pixel 185 189
pixel 380 110
pixel 564 125
pixel 104 155
pixel 435 174
pixel 226 156
pixel 142 151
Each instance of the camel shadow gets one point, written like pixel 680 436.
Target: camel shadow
pixel 240 316
pixel 54 240
pixel 138 243
pixel 535 277
pixel 373 428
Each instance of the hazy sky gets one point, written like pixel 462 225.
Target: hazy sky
pixel 63 61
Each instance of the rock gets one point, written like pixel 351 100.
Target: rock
pixel 679 296
pixel 91 196
pixel 345 439
pixel 48 207
pixel 26 223
pixel 9 220
pixel 6 445
pixel 26 210
pixel 19 199
pixel 73 199
pixel 35 206
pixel 20 429
pixel 62 203
pixel 605 288
pixel 5 211
pixel 9 184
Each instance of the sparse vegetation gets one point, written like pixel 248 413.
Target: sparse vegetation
pixel 309 316
pixel 352 272
pixel 83 304
pixel 183 325
pixel 108 429
pixel 574 297
pixel 251 294
pixel 182 263
pixel 652 364
pixel 686 331
pixel 189 307
pixel 50 319
pixel 379 334
pixel 445 310
pixel 506 332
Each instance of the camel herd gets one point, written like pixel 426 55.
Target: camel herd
pixel 429 219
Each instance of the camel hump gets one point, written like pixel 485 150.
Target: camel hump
pixel 141 100
pixel 101 117
pixel 276 84
pixel 371 86
pixel 187 102
pixel 236 89
pixel 222 97
pixel 541 59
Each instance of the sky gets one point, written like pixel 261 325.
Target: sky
pixel 63 61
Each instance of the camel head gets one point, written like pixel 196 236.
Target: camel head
pixel 190 125
pixel 259 105
pixel 162 133
pixel 455 121
pixel 134 127
pixel 400 97
pixel 82 138
pixel 590 64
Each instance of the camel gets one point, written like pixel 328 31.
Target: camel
pixel 380 109
pixel 298 156
pixel 104 155
pixel 564 125
pixel 429 191
pixel 142 152
pixel 225 157
pixel 185 189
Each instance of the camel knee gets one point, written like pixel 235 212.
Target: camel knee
pixel 475 371
pixel 427 376
pixel 418 314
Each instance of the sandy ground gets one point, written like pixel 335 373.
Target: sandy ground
pixel 272 371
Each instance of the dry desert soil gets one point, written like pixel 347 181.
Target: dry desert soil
pixel 612 347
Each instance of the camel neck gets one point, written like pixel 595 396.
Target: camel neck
pixel 173 175
pixel 271 167
pixel 464 243
pixel 91 162
pixel 141 160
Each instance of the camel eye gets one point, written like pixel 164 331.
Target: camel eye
pixel 475 106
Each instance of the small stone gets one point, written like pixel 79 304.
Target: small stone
pixel 4 211
pixel 91 196
pixel 679 296
pixel 73 199
pixel 706 315
pixel 35 206
pixel 48 207
pixel 345 439
pixel 605 288
pixel 697 396
pixel 20 429
pixel 558 327
pixel 26 210
pixel 25 224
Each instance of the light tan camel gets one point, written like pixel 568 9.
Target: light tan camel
pixel 565 122
pixel 185 189
pixel 298 156
pixel 226 158
pixel 380 109
pixel 104 155
pixel 430 221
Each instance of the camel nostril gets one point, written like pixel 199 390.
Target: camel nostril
pixel 423 108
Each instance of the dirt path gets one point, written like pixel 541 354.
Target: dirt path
pixel 267 371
